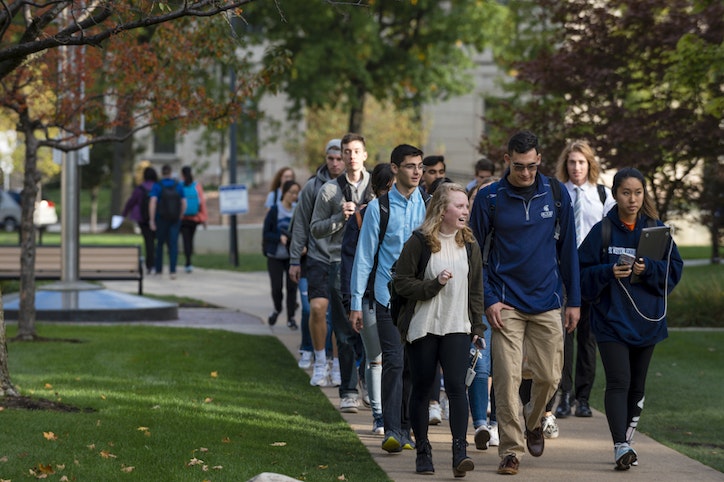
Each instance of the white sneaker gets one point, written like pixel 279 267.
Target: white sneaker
pixel 335 376
pixel 306 359
pixel 550 426
pixel 349 405
pixel 435 413
pixel 444 405
pixel 320 376
pixel 482 437
pixel 494 438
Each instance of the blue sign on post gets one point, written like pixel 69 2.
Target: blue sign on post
pixel 233 199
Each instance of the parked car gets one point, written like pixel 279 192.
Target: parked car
pixel 10 212
pixel 44 214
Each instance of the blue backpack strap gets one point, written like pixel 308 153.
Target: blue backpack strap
pixel 556 190
pixel 492 195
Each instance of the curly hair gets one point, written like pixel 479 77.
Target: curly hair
pixel 584 148
pixel 439 203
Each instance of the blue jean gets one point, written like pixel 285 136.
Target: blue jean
pixel 346 336
pixel 373 357
pixel 167 233
pixel 395 374
pixel 306 344
pixel 478 390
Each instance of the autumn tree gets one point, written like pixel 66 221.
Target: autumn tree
pixel 65 65
pixel 641 80
pixel 405 52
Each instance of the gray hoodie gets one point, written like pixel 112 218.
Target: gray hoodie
pixel 303 217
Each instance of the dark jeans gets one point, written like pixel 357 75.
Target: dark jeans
pixel 167 234
pixel 347 338
pixel 452 353
pixel 188 229
pixel 585 357
pixel 626 368
pixel 395 374
pixel 149 245
pixel 278 270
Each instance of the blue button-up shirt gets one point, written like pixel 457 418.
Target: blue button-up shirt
pixel 406 215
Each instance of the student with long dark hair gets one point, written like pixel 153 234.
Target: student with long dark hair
pixel 195 214
pixel 628 318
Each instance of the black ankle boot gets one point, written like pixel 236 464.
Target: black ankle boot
pixel 461 462
pixel 423 462
pixel 564 406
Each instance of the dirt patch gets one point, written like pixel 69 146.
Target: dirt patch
pixel 28 403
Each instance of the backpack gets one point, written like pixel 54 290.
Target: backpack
pixel 145 216
pixel 192 199
pixel 169 204
pixel 346 189
pixel 493 194
pixel 601 193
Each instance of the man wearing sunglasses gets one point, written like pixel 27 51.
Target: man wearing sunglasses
pixel 531 255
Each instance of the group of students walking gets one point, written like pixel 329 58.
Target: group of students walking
pixel 164 209
pixel 529 259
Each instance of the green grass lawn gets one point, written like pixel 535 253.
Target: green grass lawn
pixel 683 407
pixel 172 404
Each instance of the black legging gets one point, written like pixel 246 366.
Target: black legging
pixel 626 368
pixel 149 242
pixel 278 270
pixel 453 353
pixel 188 229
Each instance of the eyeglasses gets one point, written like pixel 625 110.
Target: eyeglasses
pixel 525 167
pixel 412 167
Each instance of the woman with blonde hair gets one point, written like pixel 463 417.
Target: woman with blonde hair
pixel 439 272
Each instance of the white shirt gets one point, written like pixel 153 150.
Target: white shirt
pixel 447 312
pixel 592 210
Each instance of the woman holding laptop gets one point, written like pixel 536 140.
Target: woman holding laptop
pixel 628 318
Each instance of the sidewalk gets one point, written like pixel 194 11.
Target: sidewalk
pixel 582 452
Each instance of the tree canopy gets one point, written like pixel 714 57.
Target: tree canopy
pixel 406 52
pixel 640 80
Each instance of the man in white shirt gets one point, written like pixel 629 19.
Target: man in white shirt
pixel 579 170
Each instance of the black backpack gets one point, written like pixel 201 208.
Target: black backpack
pixel 145 216
pixel 169 204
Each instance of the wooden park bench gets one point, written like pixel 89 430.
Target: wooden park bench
pixel 96 263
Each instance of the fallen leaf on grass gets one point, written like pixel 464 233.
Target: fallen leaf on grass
pixel 91 446
pixel 214 374
pixel 322 466
pixel 49 436
pixel 218 467
pixel 4 458
pixel 279 444
pixel 45 469
pixel 203 449
pixel 195 461
pixel 64 479
pixel 208 400
pixel 226 440
pixel 341 477
pixel 48 386
pixel 128 469
pixel 60 466
pixel 103 397
pixel 146 431
pixel 107 455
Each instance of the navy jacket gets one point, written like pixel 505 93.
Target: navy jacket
pixel 613 314
pixel 528 267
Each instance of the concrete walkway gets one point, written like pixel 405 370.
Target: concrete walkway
pixel 582 452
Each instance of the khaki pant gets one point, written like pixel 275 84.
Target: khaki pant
pixel 539 338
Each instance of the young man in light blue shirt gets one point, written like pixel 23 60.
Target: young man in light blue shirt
pixel 406 213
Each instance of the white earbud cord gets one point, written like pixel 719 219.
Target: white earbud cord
pixel 666 290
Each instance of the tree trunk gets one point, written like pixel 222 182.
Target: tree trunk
pixel 356 114
pixel 26 309
pixel 6 386
pixel 122 170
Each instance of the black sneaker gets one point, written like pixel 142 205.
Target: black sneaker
pixel 273 318
pixel 291 324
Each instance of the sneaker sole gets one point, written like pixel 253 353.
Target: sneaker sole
pixel 349 410
pixel 481 440
pixel 625 461
pixel 392 445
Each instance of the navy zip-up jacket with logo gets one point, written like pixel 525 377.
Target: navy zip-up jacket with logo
pixel 613 316
pixel 528 267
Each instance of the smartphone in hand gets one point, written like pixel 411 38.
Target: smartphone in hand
pixel 625 260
